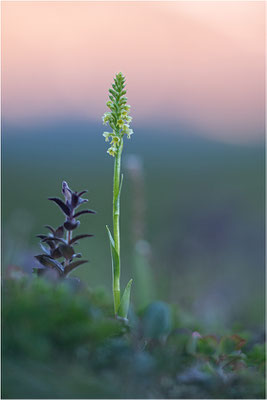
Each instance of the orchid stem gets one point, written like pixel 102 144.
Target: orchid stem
pixel 116 227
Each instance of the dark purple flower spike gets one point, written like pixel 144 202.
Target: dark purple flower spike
pixel 57 245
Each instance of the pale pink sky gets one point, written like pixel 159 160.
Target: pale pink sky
pixel 195 63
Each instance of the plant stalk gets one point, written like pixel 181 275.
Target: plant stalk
pixel 69 237
pixel 116 226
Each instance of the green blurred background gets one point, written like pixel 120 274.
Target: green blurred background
pixel 198 205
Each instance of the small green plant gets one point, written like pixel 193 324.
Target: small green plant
pixel 58 243
pixel 119 121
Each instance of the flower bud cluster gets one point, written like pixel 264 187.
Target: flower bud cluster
pixel 59 243
pixel 118 117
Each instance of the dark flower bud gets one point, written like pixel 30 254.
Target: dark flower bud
pixel 72 224
pixel 66 192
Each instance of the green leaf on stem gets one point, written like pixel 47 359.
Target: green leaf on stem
pixel 115 262
pixel 125 300
pixel 114 254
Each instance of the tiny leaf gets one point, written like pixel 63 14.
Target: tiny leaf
pixel 81 201
pixel 84 212
pixel 73 240
pixel 42 236
pixel 74 265
pixel 61 204
pixel 50 228
pixel 81 193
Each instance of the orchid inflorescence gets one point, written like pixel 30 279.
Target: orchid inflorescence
pixel 118 118
pixel 58 243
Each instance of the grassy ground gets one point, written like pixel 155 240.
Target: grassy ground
pixel 60 340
